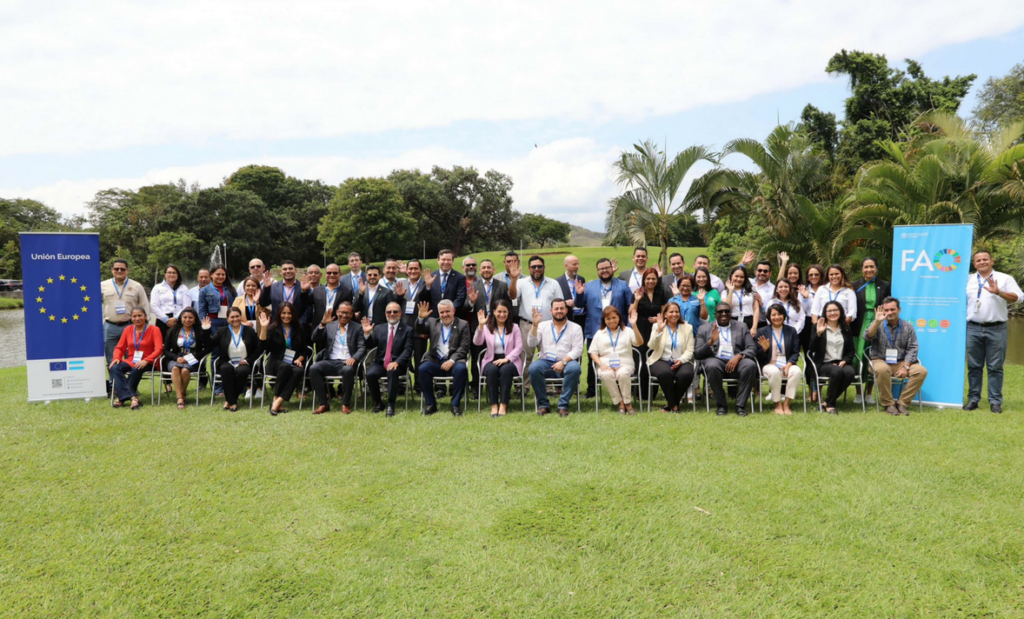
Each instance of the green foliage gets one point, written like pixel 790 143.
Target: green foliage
pixel 542 230
pixel 368 215
pixel 177 248
pixel 822 130
pixel 21 215
pixel 1001 100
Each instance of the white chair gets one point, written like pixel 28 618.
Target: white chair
pixel 652 382
pixel 634 381
pixel 405 380
pixel 821 382
pixel 153 375
pixel 763 380
pixel 517 382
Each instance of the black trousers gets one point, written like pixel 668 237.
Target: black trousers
pixel 839 380
pixel 332 367
pixel 745 372
pixel 373 376
pixel 286 378
pixel 419 348
pixel 673 383
pixel 591 373
pixel 234 379
pixel 499 381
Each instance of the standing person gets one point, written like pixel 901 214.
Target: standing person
pixel 326 296
pixel 839 289
pixel 785 297
pixel 613 354
pixel 726 349
pixel 469 266
pixel 169 298
pixel 741 298
pixel 289 290
pixel 989 292
pixel 634 277
pixel 373 298
pixel 215 298
pixel 598 294
pixel 257 271
pixel 671 356
pixel 184 347
pixel 531 292
pixel 561 346
pixel 808 293
pixel 706 293
pixel 413 291
pixel 647 304
pixel 445 283
pixel 716 282
pixel 689 304
pixel 249 303
pixel 394 342
pixel 573 286
pixel 390 274
pixel 343 347
pixel 286 346
pixel 355 276
pixel 789 271
pixel 136 352
pixel 831 350
pixel 482 295
pixel 778 352
pixel 202 279
pixel 313 276
pixel 869 290
pixel 670 281
pixel 240 349
pixel 448 353
pixel 894 349
pixel 502 343
pixel 120 296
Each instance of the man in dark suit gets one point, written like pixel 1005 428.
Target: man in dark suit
pixel 634 277
pixel 412 292
pixel 448 354
pixel 393 341
pixel 445 283
pixel 289 290
pixel 372 297
pixel 343 347
pixel 677 264
pixel 349 283
pixel 573 286
pixel 327 295
pixel 726 349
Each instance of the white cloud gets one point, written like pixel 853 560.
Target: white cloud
pixel 77 77
pixel 568 180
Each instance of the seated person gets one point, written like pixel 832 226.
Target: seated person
pixel 184 347
pixel 284 341
pixel 393 340
pixel 560 344
pixel 343 347
pixel 503 353
pixel 239 351
pixel 613 354
pixel 894 353
pixel 726 349
pixel 671 356
pixel 448 353
pixel 136 352
pixel 831 351
pixel 778 352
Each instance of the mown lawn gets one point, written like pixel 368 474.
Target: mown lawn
pixel 215 514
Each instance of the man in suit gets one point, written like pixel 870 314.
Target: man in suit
pixel 350 282
pixel 313 276
pixel 597 294
pixel 677 264
pixel 480 294
pixel 373 297
pixel 393 341
pixel 327 295
pixel 634 277
pixel 445 283
pixel 726 349
pixel 448 354
pixel 289 290
pixel 573 286
pixel 343 348
pixel 411 292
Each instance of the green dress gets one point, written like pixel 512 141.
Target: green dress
pixel 711 300
pixel 870 301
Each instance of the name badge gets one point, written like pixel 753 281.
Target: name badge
pixel 576 311
pixel 780 362
pixel 613 364
pixel 120 308
pixel 515 302
pixel 537 306
pixel 410 307
pixel 137 356
pixel 442 351
pixel 190 359
pixel 236 361
pixel 892 356
pixel 222 312
pixel 550 356
pixel 289 356
pixel 724 350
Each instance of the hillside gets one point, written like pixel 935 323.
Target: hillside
pixel 581 237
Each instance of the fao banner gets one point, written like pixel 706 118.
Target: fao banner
pixel 930 269
pixel 63 315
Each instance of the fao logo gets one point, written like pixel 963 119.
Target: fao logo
pixel 903 236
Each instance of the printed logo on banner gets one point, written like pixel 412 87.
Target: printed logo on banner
pixel 947 260
pixel 58 366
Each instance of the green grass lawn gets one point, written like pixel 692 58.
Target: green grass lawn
pixel 207 513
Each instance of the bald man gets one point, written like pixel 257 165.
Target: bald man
pixel 572 282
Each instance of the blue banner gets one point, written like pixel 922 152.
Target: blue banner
pixel 929 277
pixel 63 315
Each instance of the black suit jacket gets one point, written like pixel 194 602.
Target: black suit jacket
pixel 499 290
pixel 380 303
pixel 454 291
pixel 345 290
pixel 742 342
pixel 172 351
pixel 816 346
pixel 323 337
pixel 882 289
pixel 569 292
pixel 401 346
pixel 422 294
pixel 320 302
pixel 275 345
pixel 790 341
pixel 273 296
pixel 253 346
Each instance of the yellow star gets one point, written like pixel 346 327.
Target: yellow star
pixel 39 299
pixel 83 288
pixel 49 280
pixel 75 316
pixel 42 310
pixel 85 309
pixel 86 298
pixel 61 278
pixel 52 317
pixel 64 321
pixel 42 289
pixel 74 280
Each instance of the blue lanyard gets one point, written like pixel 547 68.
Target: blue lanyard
pixel 605 291
pixel 250 309
pixel 123 288
pixel 501 336
pixel 487 295
pixel 572 289
pixel 675 337
pixel 445 338
pixel 639 280
pixel 342 335
pixel 237 340
pixel 722 332
pixel 981 283
pixel 287 336
pixel 187 340
pixel 412 290
pixel 389 285
pixel 741 304
pixel 892 343
pixel 560 335
pixel 536 289
pixel 288 296
pixel 174 291
pixel 330 295
pixel 830 297
pixel 369 304
pixel 866 284
pixel 778 342
pixel 139 337
pixel 615 342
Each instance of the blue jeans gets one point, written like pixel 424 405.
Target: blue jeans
pixel 986 347
pixel 541 369
pixel 430 369
pixel 111 336
pixel 126 380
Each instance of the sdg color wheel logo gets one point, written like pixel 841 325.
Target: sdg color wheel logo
pixel 947 260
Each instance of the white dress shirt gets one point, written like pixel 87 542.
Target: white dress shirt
pixel 569 342
pixel 166 300
pixel 988 307
pixel 529 296
pixel 846 297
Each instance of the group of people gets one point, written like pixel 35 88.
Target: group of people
pixel 450 329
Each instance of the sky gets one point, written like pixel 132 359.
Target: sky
pixel 120 94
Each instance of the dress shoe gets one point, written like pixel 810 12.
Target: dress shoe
pixel 457 411
pixel 589 395
pixel 346 409
pixel 391 411
pixel 273 412
pixel 902 408
pixel 377 408
pixel 563 412
pixel 543 410
pixel 892 410
pixel 721 411
pixel 741 411
pixel 321 409
pixel 971 405
pixel 996 408
pixel 430 410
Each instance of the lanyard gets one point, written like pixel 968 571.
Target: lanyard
pixel 830 297
pixel 778 341
pixel 501 336
pixel 741 304
pixel 389 285
pixel 560 335
pixel 446 337
pixel 342 335
pixel 487 295
pixel 250 309
pixel 615 342
pixel 982 283
pixel 187 339
pixel 288 296
pixel 123 288
pixel 866 284
pixel 237 339
pixel 369 304
pixel 726 338
pixel 636 277
pixel 223 294
pixel 174 291
pixel 412 290
pixel 138 337
pixel 605 291
pixel 572 288
pixel 892 343
pixel 287 336
pixel 675 338
pixel 330 295
pixel 536 288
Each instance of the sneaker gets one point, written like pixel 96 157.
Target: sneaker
pixel 248 394
pixel 259 394
pixel 859 399
pixel 869 400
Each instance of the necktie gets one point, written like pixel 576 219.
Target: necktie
pixel 391 340
pixel 444 280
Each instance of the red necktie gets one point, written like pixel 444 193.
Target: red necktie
pixel 391 340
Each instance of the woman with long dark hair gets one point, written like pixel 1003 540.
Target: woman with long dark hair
pixel 503 353
pixel 831 351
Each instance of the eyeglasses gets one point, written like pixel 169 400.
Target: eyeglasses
pixel 470 265
pixel 536 266
pixel 724 311
pixel 392 312
pixel 763 271
pixel 255 266
pixel 119 269
pixel 334 272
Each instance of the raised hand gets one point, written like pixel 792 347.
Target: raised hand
pixel 328 316
pixel 400 289
pixel 306 282
pixel 401 266
pixel 992 286
pixel 206 322
pixel 765 344
pixel 657 268
pixel 367 327
pixel 481 318
pixel 515 270
pixel 804 292
pixel 473 294
pixel 424 309
pixel 748 257
pixel 615 265
pixel 714 334
pixel 675 289
pixel 783 257
pixel 633 316
pixel 701 294
pixel 362 287
pixel 535 316
pixel 821 325
pixel 639 292
pixel 267 278
pixel 580 286
pixel 428 278
pixel 660 321
pixel 264 320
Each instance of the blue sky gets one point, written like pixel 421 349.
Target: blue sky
pixel 546 92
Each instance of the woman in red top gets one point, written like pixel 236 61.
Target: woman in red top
pixel 137 351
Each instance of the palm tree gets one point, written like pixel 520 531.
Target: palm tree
pixel 651 183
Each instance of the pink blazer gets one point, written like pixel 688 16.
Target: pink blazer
pixel 513 346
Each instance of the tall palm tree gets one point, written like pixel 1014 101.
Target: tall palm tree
pixel 651 183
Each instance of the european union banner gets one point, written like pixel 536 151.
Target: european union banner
pixel 63 315
pixel 929 277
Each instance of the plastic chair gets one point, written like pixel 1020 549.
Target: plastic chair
pixel 726 382
pixel 151 374
pixel 405 380
pixel 652 382
pixel 482 383
pixel 896 382
pixel 634 381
